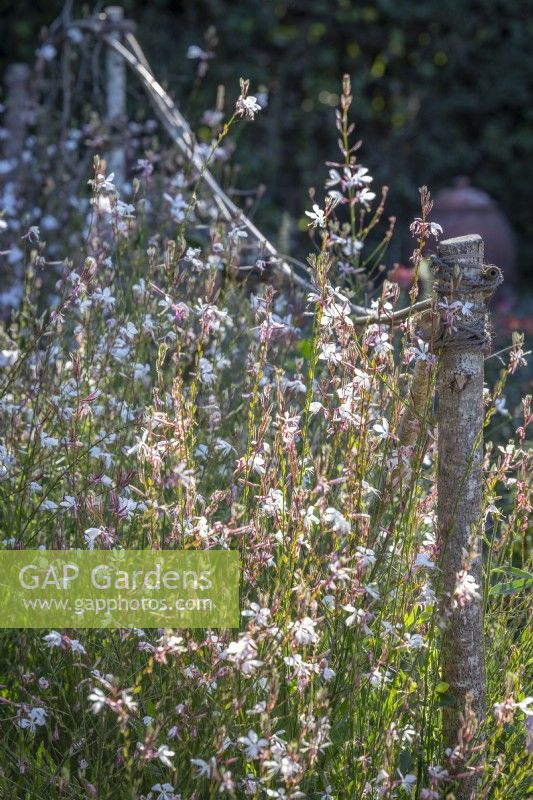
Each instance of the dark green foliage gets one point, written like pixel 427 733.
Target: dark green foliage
pixel 442 88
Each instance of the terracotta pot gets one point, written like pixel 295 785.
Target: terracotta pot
pixel 463 209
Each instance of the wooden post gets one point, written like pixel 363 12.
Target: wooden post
pixel 116 100
pixel 17 82
pixel 461 276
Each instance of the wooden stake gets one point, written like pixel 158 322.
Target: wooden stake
pixel 116 101
pixel 460 454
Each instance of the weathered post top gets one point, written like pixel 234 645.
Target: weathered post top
pixel 463 281
pixel 464 257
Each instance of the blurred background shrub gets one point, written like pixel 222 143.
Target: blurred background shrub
pixel 442 89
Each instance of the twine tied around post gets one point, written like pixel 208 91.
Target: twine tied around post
pixel 452 283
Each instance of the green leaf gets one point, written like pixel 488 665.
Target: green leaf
pixel 305 348
pixel 524 581
pixel 511 588
pixel 405 761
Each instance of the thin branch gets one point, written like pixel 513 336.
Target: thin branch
pixel 180 132
pixel 395 316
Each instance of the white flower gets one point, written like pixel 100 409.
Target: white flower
pixel 427 595
pixel 48 441
pixel 422 561
pixel 357 616
pixel 204 768
pixel 47 52
pixel 166 791
pixel 279 794
pixel 120 349
pixel 407 782
pixel 352 618
pixel 125 210
pixel 421 353
pixel 207 374
pixel 104 297
pixel 466 590
pixel 317 217
pixel 91 535
pixel 69 502
pixel 259 614
pixel 103 184
pixel 202 451
pixel 303 631
pixel 330 353
pixel 247 106
pixel 98 700
pixel 381 343
pixel 382 428
pixel 524 704
pixel 223 447
pixel 164 754
pixel 315 407
pixel 252 744
pixel 366 556
pixel 53 639
pixel 127 507
pixel 8 357
pixel 76 646
pixel 177 206
pixel 465 308
pixel 408 734
pixel 48 505
pixel 243 653
pixel 194 52
pixel 301 668
pixel 365 196
pixel 378 678
pixel 414 641
pixel 256 463
pixel 500 404
pixel 141 372
pixel 336 521
pixel 334 178
pixel 192 257
pixel 273 502
pixel 36 717
pixel 351 247
pixel 309 517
